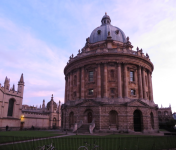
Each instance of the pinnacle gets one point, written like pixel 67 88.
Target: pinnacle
pixel 21 78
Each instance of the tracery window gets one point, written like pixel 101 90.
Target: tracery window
pixel 131 75
pixel 10 108
pixel 165 113
pixel 91 73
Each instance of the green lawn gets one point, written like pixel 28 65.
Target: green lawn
pixel 29 133
pixel 11 136
pixel 110 142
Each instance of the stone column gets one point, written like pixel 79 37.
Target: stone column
pixel 78 84
pixel 105 81
pixel 82 83
pixel 98 82
pixel 68 87
pixel 125 82
pixel 140 82
pixel 65 90
pixel 144 84
pixel 119 81
pixel 150 86
pixel 71 85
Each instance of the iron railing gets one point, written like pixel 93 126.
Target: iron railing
pixel 105 143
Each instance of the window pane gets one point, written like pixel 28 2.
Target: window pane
pixel 91 92
pixel 131 76
pixel 90 76
pixel 132 92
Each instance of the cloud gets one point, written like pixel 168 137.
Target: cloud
pixel 41 63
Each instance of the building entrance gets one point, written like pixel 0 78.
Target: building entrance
pixel 89 117
pixel 137 119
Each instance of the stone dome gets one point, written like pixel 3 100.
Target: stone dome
pixel 49 104
pixel 107 30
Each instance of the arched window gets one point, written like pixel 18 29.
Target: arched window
pixel 75 80
pixel 165 113
pixel 152 120
pixel 113 117
pixel 112 74
pixel 159 112
pixel 54 121
pixel 10 108
pixel 71 119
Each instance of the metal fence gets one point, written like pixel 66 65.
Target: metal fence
pixel 104 143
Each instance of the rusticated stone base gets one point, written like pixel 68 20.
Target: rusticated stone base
pixel 112 117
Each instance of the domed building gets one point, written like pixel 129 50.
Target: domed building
pixel 108 86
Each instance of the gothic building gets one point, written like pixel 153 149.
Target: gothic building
pixel 18 116
pixel 109 84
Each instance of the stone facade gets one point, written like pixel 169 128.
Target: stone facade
pixel 111 84
pixel 165 114
pixel 18 116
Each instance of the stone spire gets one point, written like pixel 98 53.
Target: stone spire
pixel 7 83
pixel 52 102
pixel 21 79
pixel 43 105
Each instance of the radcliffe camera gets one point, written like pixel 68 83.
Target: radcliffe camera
pixel 101 96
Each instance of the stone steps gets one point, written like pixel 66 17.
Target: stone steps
pixel 84 128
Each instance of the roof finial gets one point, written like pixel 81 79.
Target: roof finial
pixel 105 13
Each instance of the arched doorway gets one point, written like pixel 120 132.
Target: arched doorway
pixel 71 119
pixel 137 120
pixel 89 117
pixel 152 120
pixel 113 117
pixel 54 123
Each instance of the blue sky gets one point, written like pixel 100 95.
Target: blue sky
pixel 38 36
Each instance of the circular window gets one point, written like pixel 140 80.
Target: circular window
pixel 99 32
pixel 117 31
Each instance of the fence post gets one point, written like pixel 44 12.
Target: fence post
pixel 13 142
pixel 33 143
pixel 119 143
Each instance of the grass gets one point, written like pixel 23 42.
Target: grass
pixel 28 133
pixel 11 136
pixel 110 142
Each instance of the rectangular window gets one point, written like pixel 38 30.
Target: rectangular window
pixel 74 94
pixel 133 92
pixel 112 91
pixel 131 75
pixel 91 92
pixel 91 76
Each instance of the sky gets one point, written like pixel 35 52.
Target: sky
pixel 37 38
